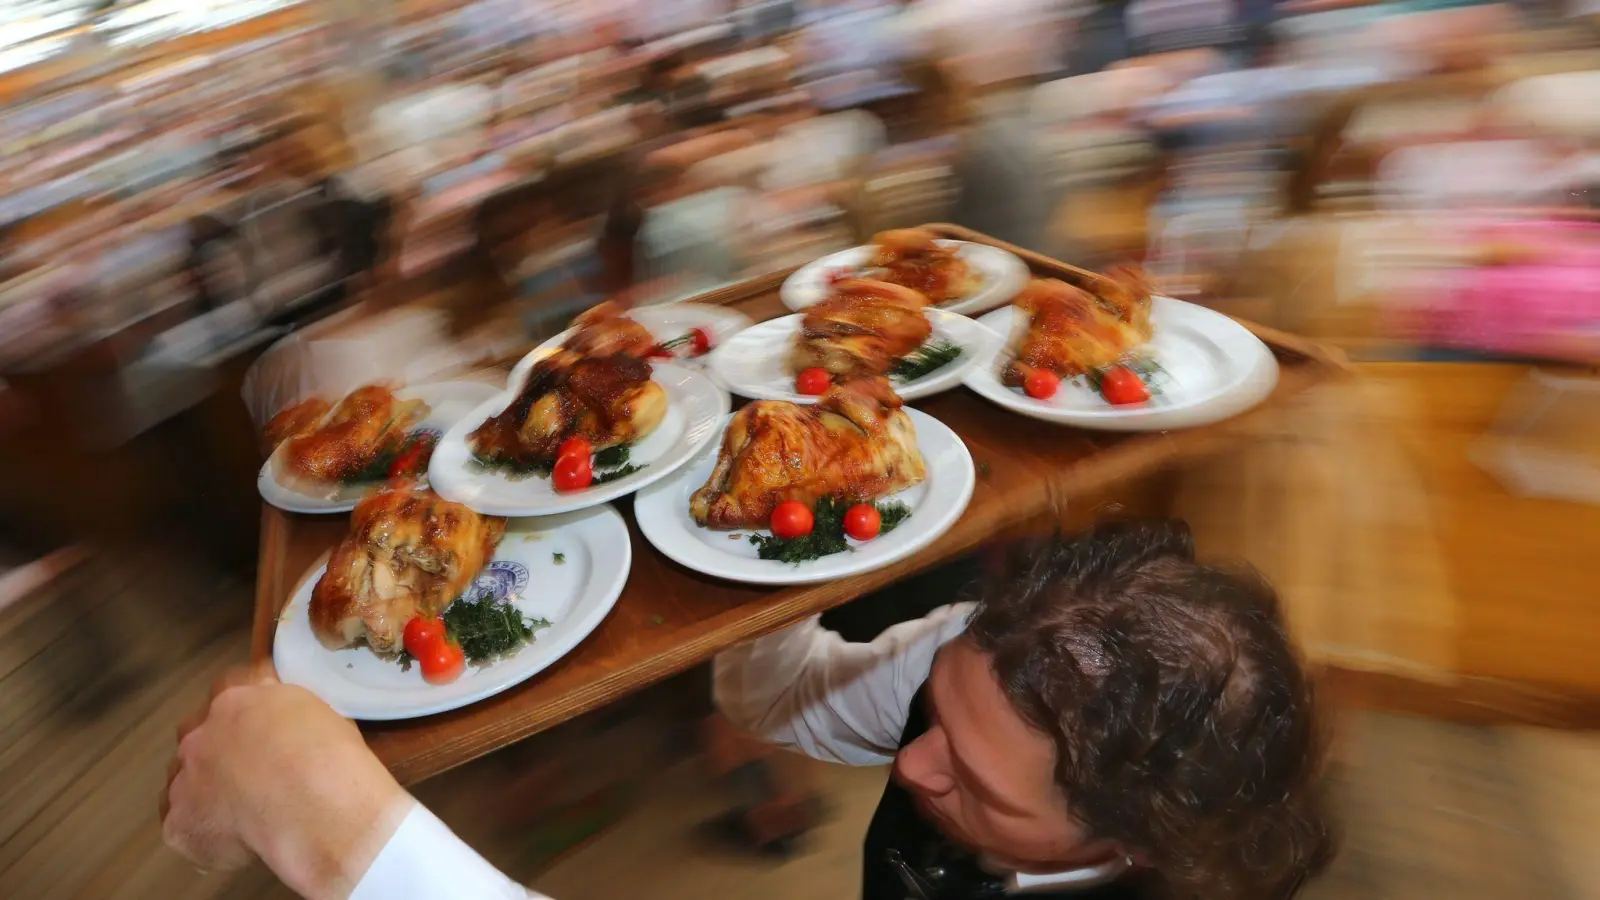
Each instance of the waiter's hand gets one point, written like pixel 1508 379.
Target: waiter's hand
pixel 266 769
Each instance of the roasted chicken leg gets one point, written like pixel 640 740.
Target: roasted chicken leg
pixel 1070 331
pixel 855 444
pixel 913 258
pixel 408 553
pixel 606 330
pixel 862 329
pixel 364 424
pixel 607 400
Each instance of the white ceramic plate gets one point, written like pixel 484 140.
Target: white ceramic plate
pixel 755 363
pixel 574 595
pixel 936 504
pixel 695 407
pixel 447 403
pixel 1212 369
pixel 666 322
pixel 1003 276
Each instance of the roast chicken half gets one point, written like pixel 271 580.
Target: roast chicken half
pixel 861 329
pixel 364 424
pixel 855 444
pixel 607 400
pixel 408 553
pixel 1070 331
pixel 606 330
pixel 914 258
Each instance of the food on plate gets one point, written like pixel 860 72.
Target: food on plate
pixel 832 521
pixel 409 553
pixel 362 430
pixel 1041 384
pixel 1071 332
pixel 914 258
pixel 862 329
pixel 813 382
pixel 1121 386
pixel 855 444
pixel 606 330
pixel 792 519
pixel 301 418
pixel 606 400
pixel 698 341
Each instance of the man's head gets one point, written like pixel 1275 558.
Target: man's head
pixel 1118 698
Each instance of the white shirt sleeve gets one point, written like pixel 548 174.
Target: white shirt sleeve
pixel 424 860
pixel 808 689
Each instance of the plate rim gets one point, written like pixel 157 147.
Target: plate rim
pixel 782 574
pixel 611 593
pixel 1256 380
pixel 1013 278
pixel 593 496
pixel 932 387
pixel 289 500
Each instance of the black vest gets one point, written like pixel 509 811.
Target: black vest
pixel 902 846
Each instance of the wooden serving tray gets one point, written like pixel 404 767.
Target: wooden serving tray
pixel 1031 475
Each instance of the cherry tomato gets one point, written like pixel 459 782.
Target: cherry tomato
pixel 413 460
pixel 792 519
pixel 699 341
pixel 422 633
pixel 657 351
pixel 573 473
pixel 443 662
pixel 575 446
pixel 862 521
pixel 813 382
pixel 1041 384
pixel 1122 385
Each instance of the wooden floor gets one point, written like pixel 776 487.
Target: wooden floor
pixel 96 670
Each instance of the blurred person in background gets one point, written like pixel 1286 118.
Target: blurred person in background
pixel 1109 716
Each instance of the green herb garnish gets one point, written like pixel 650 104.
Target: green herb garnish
pixel 560 559
pixel 488 629
pixel 611 457
pixel 827 532
pixel 406 659
pixel 614 474
pixel 378 469
pixel 925 360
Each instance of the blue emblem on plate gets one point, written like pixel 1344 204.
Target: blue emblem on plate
pixel 503 580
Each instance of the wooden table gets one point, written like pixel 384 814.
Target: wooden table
pixel 669 618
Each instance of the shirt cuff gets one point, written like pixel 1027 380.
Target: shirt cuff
pixel 424 860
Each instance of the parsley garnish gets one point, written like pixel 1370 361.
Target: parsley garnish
pixel 609 465
pixel 614 474
pixel 560 559
pixel 378 468
pixel 512 468
pixel 925 360
pixel 827 532
pixel 1148 370
pixel 489 629
pixel 611 457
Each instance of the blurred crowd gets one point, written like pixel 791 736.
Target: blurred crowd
pixel 182 185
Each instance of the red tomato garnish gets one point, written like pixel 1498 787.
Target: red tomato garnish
pixel 657 351
pixel 442 662
pixel 699 341
pixel 573 473
pixel 1121 385
pixel 575 446
pixel 421 633
pixel 862 521
pixel 792 519
pixel 813 382
pixel 1041 384
pixel 413 460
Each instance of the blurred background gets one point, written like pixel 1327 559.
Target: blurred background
pixel 195 195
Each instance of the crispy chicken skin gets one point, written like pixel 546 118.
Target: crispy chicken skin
pixel 294 421
pixel 606 330
pixel 363 425
pixel 1070 331
pixel 855 444
pixel 408 553
pixel 862 329
pixel 912 257
pixel 607 400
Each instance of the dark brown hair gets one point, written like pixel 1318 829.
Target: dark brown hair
pixel 1183 720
